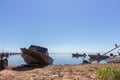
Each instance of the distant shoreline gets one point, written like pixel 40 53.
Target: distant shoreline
pixel 11 53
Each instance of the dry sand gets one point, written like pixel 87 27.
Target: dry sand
pixel 52 72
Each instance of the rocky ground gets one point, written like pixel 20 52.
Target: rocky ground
pixel 52 72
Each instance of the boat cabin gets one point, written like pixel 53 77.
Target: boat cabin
pixel 39 49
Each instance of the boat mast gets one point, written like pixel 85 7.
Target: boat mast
pixel 112 49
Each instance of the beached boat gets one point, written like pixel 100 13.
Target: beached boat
pixel 115 59
pixel 36 55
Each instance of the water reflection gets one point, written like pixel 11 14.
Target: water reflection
pixel 64 58
pixel 15 60
pixel 97 61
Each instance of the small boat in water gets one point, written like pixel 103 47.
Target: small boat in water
pixel 36 55
pixel 101 57
pixel 78 55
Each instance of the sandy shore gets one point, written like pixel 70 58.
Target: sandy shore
pixel 52 72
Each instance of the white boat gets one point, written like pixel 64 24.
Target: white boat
pixel 115 59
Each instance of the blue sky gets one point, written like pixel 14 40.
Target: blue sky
pixel 60 25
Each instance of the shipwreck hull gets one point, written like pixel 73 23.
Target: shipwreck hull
pixel 34 57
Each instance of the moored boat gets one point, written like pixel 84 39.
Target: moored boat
pixel 36 55
pixel 101 57
pixel 78 55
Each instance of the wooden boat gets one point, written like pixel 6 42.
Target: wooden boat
pixel 36 55
pixel 115 59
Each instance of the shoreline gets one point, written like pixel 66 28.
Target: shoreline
pixel 53 72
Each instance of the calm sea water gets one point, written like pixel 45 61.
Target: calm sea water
pixel 59 58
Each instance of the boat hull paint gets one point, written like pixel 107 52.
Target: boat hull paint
pixel 32 57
